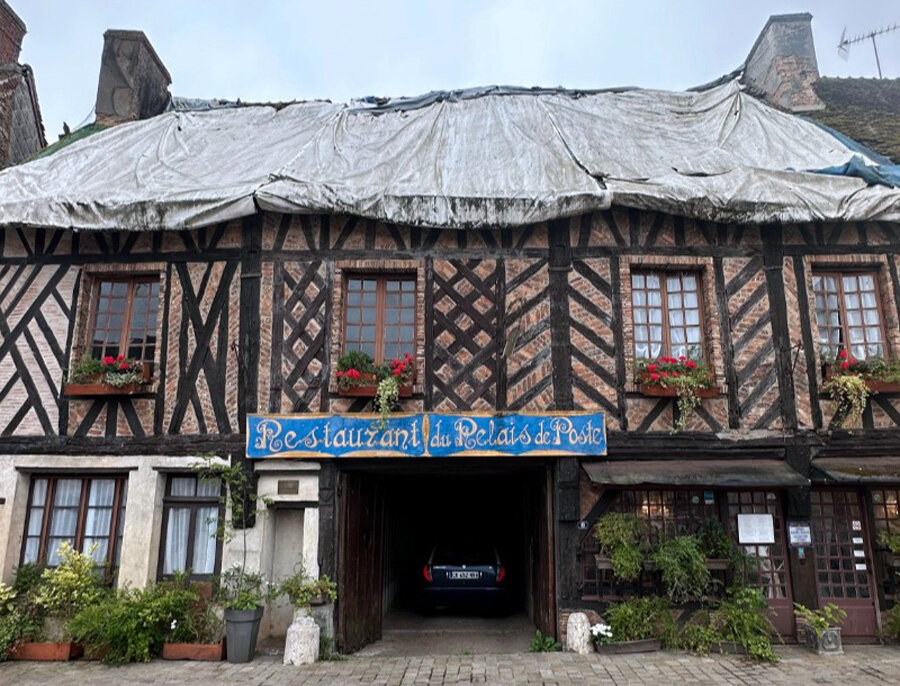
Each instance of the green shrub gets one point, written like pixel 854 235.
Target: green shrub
pixel 132 624
pixel 742 618
pixel 890 622
pixel 70 587
pixel 683 567
pixel 642 618
pixel 193 621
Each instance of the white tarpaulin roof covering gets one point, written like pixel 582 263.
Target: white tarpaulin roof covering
pixel 496 157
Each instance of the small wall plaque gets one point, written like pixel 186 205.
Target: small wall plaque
pixel 288 487
pixel 799 534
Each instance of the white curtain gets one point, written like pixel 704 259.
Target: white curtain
pixel 205 540
pixel 65 517
pixel 175 557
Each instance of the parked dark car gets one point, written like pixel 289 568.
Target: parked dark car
pixel 465 575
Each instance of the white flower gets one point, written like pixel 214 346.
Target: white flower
pixel 174 624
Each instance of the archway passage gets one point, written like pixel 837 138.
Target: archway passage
pixel 402 520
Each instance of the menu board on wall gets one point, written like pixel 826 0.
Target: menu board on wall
pixel 756 529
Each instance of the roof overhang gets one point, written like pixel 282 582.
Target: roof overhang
pixel 857 469
pixel 731 473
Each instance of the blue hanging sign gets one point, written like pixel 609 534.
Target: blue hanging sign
pixel 426 435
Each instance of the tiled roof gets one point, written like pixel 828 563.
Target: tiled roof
pixel 866 110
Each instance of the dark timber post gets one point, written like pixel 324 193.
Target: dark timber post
pixel 248 343
pixel 773 265
pixel 566 470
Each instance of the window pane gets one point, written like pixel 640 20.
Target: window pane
pixel 39 492
pixel 209 488
pixel 183 485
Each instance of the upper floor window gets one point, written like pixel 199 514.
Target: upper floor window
pixel 666 308
pixel 87 513
pixel 124 317
pixel 848 314
pixel 191 515
pixel 379 316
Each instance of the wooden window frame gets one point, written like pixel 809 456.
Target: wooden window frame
pixel 666 350
pixel 118 513
pixel 838 275
pixel 132 280
pixel 194 503
pixel 381 279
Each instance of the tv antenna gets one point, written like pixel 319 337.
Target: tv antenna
pixel 845 43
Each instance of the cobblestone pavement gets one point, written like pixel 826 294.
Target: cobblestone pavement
pixel 859 665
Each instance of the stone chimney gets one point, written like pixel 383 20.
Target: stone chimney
pixel 781 66
pixel 134 83
pixel 12 31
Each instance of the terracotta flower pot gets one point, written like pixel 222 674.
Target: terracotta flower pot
pixel 96 387
pixel 47 651
pixel 829 371
pixel 653 389
pixel 206 652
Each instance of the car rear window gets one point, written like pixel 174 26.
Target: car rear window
pixel 464 554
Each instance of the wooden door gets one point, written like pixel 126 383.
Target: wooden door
pixel 359 604
pixel 766 566
pixel 543 587
pixel 844 558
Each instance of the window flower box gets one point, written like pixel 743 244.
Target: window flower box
pixel 95 385
pixel 368 387
pixel 651 389
pixel 716 564
pixel 875 385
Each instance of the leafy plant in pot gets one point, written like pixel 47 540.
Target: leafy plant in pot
pixel 311 634
pixel 195 632
pixel 822 630
pixel 243 593
pixel 621 537
pixel 57 596
pixel 640 624
pixel 685 378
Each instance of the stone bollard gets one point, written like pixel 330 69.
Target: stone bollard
pixel 301 645
pixel 578 634
pixel 323 615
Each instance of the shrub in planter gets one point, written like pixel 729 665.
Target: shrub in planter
pixel 131 625
pixel 621 537
pixel 642 618
pixel 823 631
pixel 195 632
pixel 70 587
pixel 21 618
pixel 740 619
pixel 682 565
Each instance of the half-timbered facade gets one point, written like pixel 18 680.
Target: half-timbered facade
pixel 249 316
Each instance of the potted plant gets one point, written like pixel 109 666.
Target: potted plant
pixel 195 631
pixel 683 378
pixel 821 630
pixel 109 376
pixel 639 625
pixel 308 637
pixel 621 537
pixel 601 635
pixel 682 566
pixel 242 592
pixel 58 596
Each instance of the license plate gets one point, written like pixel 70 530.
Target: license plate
pixel 465 575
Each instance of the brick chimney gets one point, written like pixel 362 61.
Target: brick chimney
pixel 134 83
pixel 12 31
pixel 781 66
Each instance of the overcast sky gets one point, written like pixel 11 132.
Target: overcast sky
pixel 285 50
